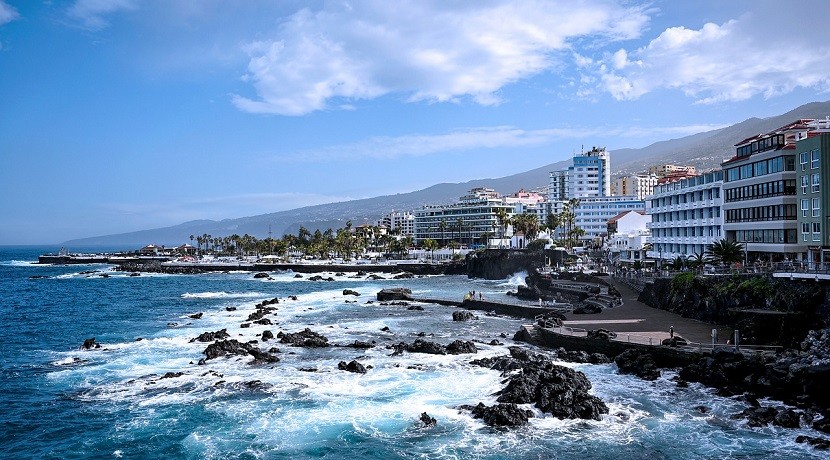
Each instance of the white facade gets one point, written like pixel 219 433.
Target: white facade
pixel 589 176
pixel 465 221
pixel 593 213
pixel 405 221
pixel 686 216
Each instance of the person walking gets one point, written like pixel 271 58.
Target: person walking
pixel 671 332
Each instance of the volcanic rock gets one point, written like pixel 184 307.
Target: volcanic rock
pixel 500 414
pixel 463 316
pixel 211 336
pixel 353 366
pixel 386 295
pixel 640 364
pixel 305 338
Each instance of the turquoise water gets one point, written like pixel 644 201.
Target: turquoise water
pixel 62 402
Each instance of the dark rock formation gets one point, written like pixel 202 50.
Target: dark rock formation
pixel 423 346
pixel 353 366
pixel 463 316
pixel 261 275
pixel 638 363
pixel 350 292
pixel 211 336
pixel 90 343
pixel 361 345
pixel 818 443
pixel 386 295
pixel 500 414
pixel 587 309
pixel 267 335
pixel 234 347
pixel 459 347
pixel 415 307
pixel 171 375
pixel 403 276
pixel 264 322
pixel 304 338
pixel 427 420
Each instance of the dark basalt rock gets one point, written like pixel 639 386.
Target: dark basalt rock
pixel 264 322
pixel 211 336
pixel 133 274
pixel 822 425
pixel 171 375
pixel 261 275
pixel 196 316
pixel 90 343
pixel 415 307
pixel 403 276
pixel 386 295
pixel 787 418
pixel 587 309
pixel 458 347
pixel 757 416
pixel 305 338
pixel 427 420
pixel 463 316
pixel 817 443
pixel 234 347
pixel 361 345
pixel 350 292
pixel 230 308
pixel 640 364
pixel 675 341
pixel 298 275
pixel 267 335
pixel 572 356
pixel 500 414
pixel 353 366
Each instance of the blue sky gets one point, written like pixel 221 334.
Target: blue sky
pixel 123 115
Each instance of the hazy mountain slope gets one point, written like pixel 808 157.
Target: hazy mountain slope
pixel 704 150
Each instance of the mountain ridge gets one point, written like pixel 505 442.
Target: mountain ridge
pixel 706 150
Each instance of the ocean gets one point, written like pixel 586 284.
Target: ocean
pixel 59 401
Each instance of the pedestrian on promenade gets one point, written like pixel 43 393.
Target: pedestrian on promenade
pixel 671 332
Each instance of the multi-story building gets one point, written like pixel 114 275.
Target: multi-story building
pixel 665 170
pixel 593 213
pixel 465 221
pixel 639 185
pixel 813 191
pixel 686 216
pixel 589 175
pixel 760 194
pixel 402 223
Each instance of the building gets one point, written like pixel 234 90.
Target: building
pixel 628 236
pixel 465 221
pixel 665 170
pixel 589 175
pixel 760 196
pixel 402 223
pixel 639 185
pixel 686 216
pixel 593 213
pixel 813 193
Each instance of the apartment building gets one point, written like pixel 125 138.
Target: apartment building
pixel 760 194
pixel 813 193
pixel 686 216
pixel 639 185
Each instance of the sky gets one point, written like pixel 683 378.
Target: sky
pixel 125 115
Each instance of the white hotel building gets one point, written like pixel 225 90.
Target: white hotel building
pixel 686 216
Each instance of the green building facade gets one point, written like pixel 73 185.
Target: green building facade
pixel 813 191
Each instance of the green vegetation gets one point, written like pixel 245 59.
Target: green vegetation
pixel 682 281
pixel 725 252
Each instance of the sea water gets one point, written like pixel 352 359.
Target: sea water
pixel 59 401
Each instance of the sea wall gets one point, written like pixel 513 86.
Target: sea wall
pixel 497 264
pixel 766 310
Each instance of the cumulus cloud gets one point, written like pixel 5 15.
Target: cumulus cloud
pixel 387 147
pixel 7 13
pixel 433 51
pixel 91 14
pixel 767 52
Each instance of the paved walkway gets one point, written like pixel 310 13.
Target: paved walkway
pixel 639 320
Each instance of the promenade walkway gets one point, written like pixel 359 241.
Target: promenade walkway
pixel 641 322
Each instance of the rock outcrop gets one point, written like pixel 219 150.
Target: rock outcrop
pixel 386 295
pixel 305 338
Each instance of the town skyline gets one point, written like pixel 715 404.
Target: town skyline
pixel 125 115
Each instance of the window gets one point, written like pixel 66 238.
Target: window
pixel 805 181
pixel 814 158
pixel 816 207
pixel 816 182
pixel 802 160
pixel 816 231
pixel 805 207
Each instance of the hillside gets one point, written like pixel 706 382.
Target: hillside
pixel 703 150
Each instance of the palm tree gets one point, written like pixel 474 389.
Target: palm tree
pixel 443 227
pixel 725 252
pixel 504 220
pixel 430 245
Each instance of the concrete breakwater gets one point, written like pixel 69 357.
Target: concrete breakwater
pixel 193 268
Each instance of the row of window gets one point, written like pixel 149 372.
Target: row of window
pixel 761 168
pixel 664 249
pixel 707 230
pixel 806 209
pixel 762 213
pixel 701 213
pixel 813 157
pixel 769 143
pixel 805 231
pixel 766 236
pixel 764 190
pixel 690 197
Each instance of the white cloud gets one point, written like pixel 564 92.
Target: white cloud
pixel 770 51
pixel 90 14
pixel 484 138
pixel 424 50
pixel 7 13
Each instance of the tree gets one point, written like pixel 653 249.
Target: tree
pixel 503 219
pixel 443 227
pixel 725 252
pixel 430 245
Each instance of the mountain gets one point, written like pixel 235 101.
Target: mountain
pixel 703 150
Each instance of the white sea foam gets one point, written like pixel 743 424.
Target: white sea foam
pixel 23 263
pixel 516 279
pixel 223 295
